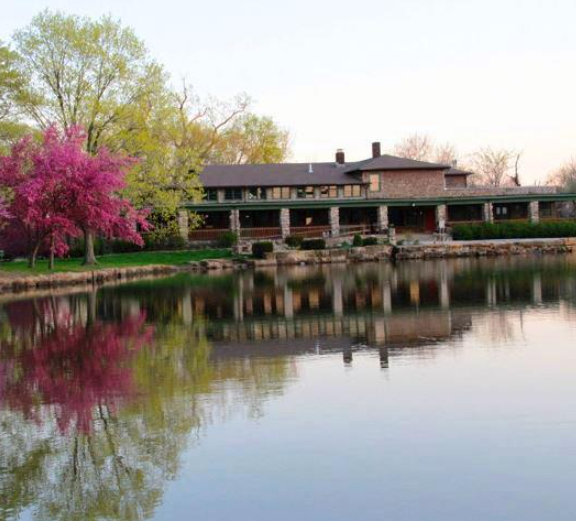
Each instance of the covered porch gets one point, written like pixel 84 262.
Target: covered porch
pixel 358 220
pixel 310 222
pixel 413 218
pixel 259 224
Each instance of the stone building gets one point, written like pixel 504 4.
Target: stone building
pixel 338 198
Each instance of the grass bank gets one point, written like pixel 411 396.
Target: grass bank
pixel 116 260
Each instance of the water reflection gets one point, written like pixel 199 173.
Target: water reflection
pixel 101 393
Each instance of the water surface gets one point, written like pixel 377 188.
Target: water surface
pixel 427 390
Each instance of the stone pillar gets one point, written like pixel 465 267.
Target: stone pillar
pixel 183 222
pixel 488 213
pixel 392 235
pixel 187 313
pixel 382 218
pixel 337 301
pixel 441 216
pixel 534 211
pixel 235 221
pixel 285 222
pixel 537 289
pixel 335 221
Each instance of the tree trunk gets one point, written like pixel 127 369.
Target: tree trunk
pixel 51 261
pixel 89 256
pixel 33 255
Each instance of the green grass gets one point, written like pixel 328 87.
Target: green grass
pixel 118 260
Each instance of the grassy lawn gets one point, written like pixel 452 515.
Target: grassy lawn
pixel 117 260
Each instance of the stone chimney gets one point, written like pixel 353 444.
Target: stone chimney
pixel 340 157
pixel 376 149
pixel 454 163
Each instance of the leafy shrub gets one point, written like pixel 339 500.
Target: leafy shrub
pixel 293 241
pixel 370 241
pixel 357 241
pixel 514 230
pixel 227 240
pixel 313 244
pixel 162 238
pixel 259 249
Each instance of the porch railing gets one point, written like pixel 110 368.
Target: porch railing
pixel 310 231
pixel 212 234
pixel 353 229
pixel 261 233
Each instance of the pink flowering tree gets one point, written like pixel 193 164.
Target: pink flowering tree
pixel 53 191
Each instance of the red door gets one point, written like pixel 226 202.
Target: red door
pixel 430 219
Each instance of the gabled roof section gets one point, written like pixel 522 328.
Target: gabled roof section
pixel 387 162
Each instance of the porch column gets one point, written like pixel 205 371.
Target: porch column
pixel 285 222
pixel 335 221
pixel 183 224
pixel 235 221
pixel 488 213
pixel 382 218
pixel 534 211
pixel 441 215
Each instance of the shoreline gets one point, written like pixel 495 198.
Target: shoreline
pixel 387 253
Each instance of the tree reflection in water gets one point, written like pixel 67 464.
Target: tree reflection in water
pixel 95 414
pixel 101 393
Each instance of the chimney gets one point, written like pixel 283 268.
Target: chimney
pixel 376 151
pixel 340 158
pixel 454 163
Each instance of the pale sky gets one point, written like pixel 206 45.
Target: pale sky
pixel 338 74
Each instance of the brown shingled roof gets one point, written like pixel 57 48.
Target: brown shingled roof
pixel 298 174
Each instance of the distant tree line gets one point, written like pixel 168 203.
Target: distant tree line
pixel 490 166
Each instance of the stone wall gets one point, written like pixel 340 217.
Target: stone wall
pixel 485 249
pixel 409 183
pixel 32 282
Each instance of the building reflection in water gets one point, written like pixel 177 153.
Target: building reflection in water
pixel 113 382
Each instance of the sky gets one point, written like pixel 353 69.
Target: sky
pixel 342 74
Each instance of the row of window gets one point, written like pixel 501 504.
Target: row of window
pixel 284 192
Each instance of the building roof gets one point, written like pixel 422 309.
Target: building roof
pixel 301 174
pixel 457 171
pixel 387 162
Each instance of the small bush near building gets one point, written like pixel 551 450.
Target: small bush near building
pixel 227 240
pixel 357 241
pixel 370 241
pixel 293 241
pixel 259 249
pixel 486 231
pixel 313 244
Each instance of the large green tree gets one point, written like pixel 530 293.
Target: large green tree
pixel 98 74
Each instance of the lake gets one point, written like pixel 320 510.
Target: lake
pixel 424 390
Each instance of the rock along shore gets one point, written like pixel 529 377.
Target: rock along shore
pixel 73 278
pixel 447 250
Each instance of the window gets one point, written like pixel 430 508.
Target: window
pixel 281 192
pixel 256 193
pixel 352 191
pixel 374 182
pixel 233 194
pixel 329 191
pixel 305 192
pixel 211 194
